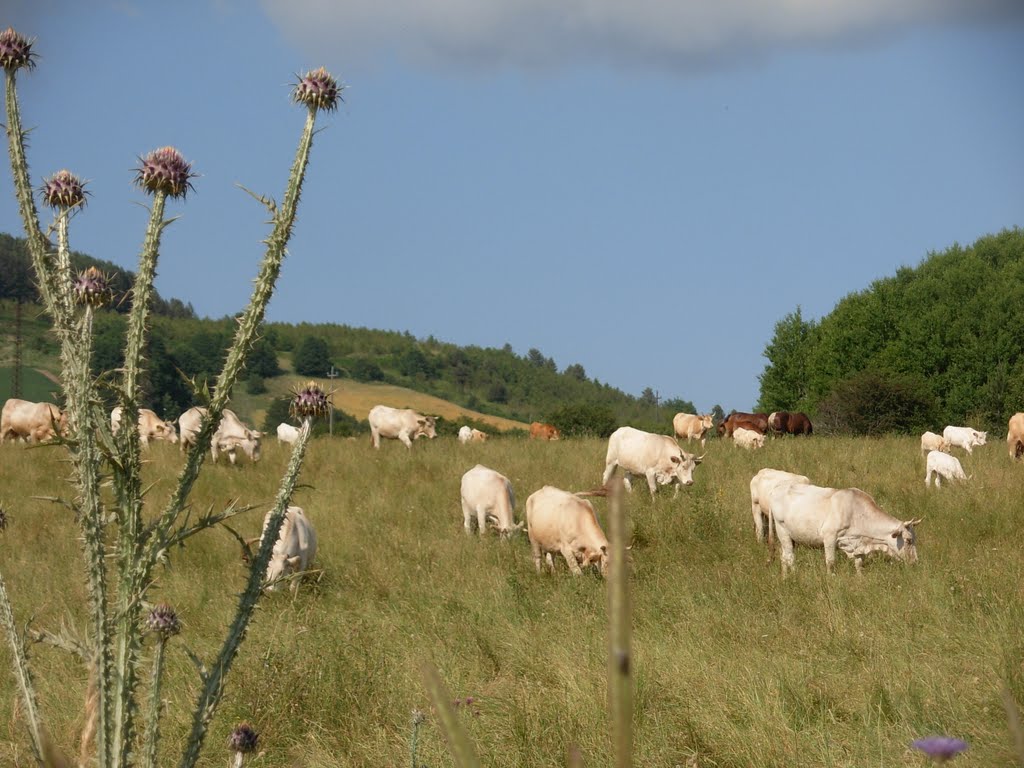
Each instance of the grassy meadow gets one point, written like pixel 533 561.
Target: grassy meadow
pixel 733 666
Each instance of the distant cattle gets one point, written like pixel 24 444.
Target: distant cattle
pixel 758 422
pixel 964 437
pixel 942 465
pixel 31 422
pixel 790 423
pixel 846 519
pixel 294 549
pixel 402 424
pixel 692 427
pixel 469 435
pixel 761 485
pixel 1015 436
pixel 747 438
pixel 541 431
pixel 151 426
pixel 230 435
pixel 487 496
pixel 657 457
pixel 933 442
pixel 287 434
pixel 559 521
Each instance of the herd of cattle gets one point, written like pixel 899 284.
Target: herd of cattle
pixel 784 505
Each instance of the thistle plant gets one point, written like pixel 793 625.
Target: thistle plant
pixel 121 547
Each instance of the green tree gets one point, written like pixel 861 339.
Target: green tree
pixel 584 420
pixel 784 382
pixel 312 358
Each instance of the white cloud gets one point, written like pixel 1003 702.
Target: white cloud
pixel 668 34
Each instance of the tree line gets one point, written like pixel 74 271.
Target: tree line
pixel 940 343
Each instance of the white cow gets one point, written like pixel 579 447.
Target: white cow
pixel 469 435
pixel 761 485
pixel 747 438
pixel 932 442
pixel 151 426
pixel 942 465
pixel 487 495
pixel 188 426
pixel 691 426
pixel 231 434
pixel 31 422
pixel 964 437
pixel 559 521
pixel 287 434
pixel 657 457
pixel 399 424
pixel 843 518
pixel 294 550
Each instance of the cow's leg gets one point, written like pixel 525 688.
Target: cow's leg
pixel 969 448
pixel 232 455
pixel 626 482
pixel 609 470
pixel 481 519
pixel 570 557
pixel 927 478
pixel 467 517
pixel 375 436
pixel 551 562
pixel 858 564
pixel 938 480
pixel 535 550
pixel 652 484
pixel 755 508
pixel 830 553
pixel 404 437
pixel 786 550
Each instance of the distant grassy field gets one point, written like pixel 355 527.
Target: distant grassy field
pixel 734 667
pixel 35 385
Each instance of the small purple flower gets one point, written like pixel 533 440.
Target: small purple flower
pixel 63 190
pixel 92 287
pixel 15 51
pixel 317 89
pixel 163 621
pixel 243 739
pixel 940 748
pixel 165 170
pixel 309 402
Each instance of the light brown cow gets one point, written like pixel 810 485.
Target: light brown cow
pixel 747 438
pixel 469 435
pixel 692 426
pixel 31 422
pixel 487 495
pixel 151 426
pixel 559 521
pixel 657 457
pixel 402 424
pixel 933 442
pixel 541 431
pixel 1015 436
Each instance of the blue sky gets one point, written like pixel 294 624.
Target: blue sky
pixel 643 188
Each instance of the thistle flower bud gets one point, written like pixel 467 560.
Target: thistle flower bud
pixel 165 170
pixel 317 89
pixel 243 739
pixel 309 402
pixel 15 51
pixel 63 190
pixel 92 287
pixel 163 621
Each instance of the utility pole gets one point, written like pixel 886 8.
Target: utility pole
pixel 16 372
pixel 657 405
pixel 332 375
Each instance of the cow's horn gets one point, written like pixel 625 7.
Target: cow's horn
pixel 699 459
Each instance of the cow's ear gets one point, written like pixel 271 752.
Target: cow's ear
pixel 604 549
pixel 294 561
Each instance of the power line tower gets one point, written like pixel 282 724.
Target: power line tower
pixel 332 375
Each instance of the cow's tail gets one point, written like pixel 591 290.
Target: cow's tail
pixel 602 492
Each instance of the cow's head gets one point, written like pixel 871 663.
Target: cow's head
pixel 553 433
pixel 596 556
pixel 251 445
pixel 425 426
pixel 721 429
pixel 680 469
pixel 905 540
pixel 707 421
pixel 165 431
pixel 981 436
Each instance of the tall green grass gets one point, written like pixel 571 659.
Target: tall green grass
pixel 733 666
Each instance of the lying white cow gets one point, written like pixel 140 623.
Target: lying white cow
pixel 932 442
pixel 691 426
pixel 294 550
pixel 761 485
pixel 151 426
pixel 747 438
pixel 287 434
pixel 399 424
pixel 942 465
pixel 964 437
pixel 31 422
pixel 487 495
pixel 559 521
pixel 657 457
pixel 843 518
pixel 469 435
pixel 231 434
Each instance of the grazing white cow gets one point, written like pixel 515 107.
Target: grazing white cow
pixel 964 437
pixel 188 426
pixel 476 436
pixel 487 495
pixel 932 442
pixel 465 433
pixel 1015 436
pixel 559 521
pixel 231 435
pixel 294 550
pixel 151 426
pixel 31 422
pixel 657 457
pixel 843 518
pixel 399 424
pixel 942 465
pixel 747 438
pixel 287 434
pixel 691 426
pixel 761 485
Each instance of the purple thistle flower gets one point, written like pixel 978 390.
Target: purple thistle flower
pixel 164 170
pixel 92 287
pixel 164 621
pixel 940 748
pixel 15 51
pixel 63 190
pixel 243 739
pixel 309 402
pixel 317 89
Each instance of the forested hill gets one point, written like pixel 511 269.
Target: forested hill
pixel 492 381
pixel 940 343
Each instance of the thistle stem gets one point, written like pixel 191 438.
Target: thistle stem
pixel 152 735
pixel 25 687
pixel 620 672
